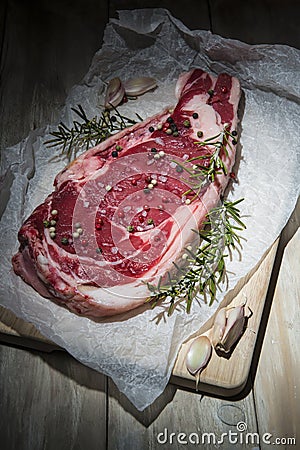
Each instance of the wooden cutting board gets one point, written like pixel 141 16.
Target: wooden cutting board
pixel 227 376
pixel 222 376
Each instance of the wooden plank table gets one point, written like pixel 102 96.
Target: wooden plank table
pixel 49 400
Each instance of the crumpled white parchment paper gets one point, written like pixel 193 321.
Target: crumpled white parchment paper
pixel 139 354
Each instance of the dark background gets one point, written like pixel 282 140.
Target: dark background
pixel 47 45
pixel 49 401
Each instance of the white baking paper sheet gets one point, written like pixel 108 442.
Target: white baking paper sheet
pixel 137 353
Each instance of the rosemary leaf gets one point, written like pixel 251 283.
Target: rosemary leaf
pixel 207 269
pixel 87 133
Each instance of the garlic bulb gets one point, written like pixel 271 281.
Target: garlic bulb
pixel 138 86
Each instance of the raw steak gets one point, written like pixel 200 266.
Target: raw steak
pixel 119 215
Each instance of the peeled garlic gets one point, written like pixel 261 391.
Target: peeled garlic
pixel 235 323
pixel 198 356
pixel 138 86
pixel 114 93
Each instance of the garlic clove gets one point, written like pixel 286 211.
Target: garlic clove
pixel 138 86
pixel 114 93
pixel 198 355
pixel 218 327
pixel 234 328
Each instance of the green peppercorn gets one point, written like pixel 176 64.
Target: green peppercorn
pixel 175 133
pixel 170 120
pixel 118 148
pixel 46 223
pixel 64 240
pixel 150 221
pixel 199 134
pixel 130 228
pixel 186 123
pixel 99 250
pixel 210 92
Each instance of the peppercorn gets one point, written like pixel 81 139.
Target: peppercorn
pixel 46 223
pixel 234 133
pixel 179 169
pixel 169 131
pixel 199 134
pixel 234 142
pixel 175 133
pixel 195 115
pixel 130 228
pixel 146 191
pixel 118 148
pixel 153 150
pixel 113 118
pixel 173 127
pixel 151 129
pixel 114 154
pixel 99 250
pixel 170 120
pixel 210 92
pixel 64 240
pixel 186 123
pixel 150 221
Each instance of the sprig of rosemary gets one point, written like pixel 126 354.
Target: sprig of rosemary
pixel 200 174
pixel 88 132
pixel 206 269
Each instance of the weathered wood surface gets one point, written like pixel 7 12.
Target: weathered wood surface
pixel 50 401
pixel 177 411
pixel 277 383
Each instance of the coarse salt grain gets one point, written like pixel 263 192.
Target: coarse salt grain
pixel 163 179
